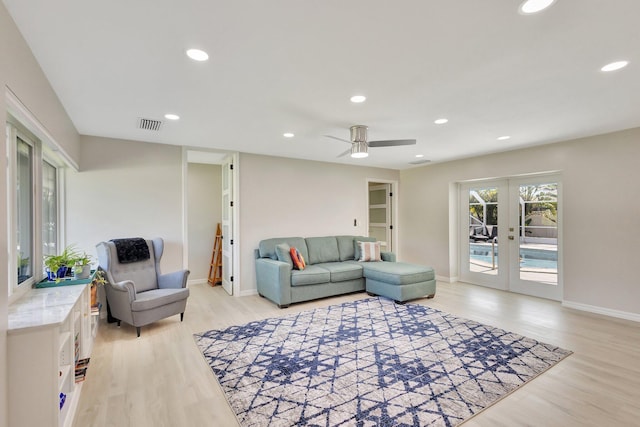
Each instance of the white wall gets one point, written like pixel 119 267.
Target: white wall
pixel 126 189
pixel 21 74
pixel 204 194
pixel 600 178
pixel 282 197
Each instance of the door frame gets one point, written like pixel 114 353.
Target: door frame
pixel 394 209
pixel 505 266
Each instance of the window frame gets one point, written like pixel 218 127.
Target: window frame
pixel 14 132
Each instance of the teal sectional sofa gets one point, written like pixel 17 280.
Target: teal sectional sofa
pixel 332 269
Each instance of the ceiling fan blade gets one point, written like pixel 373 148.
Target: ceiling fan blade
pixel 344 154
pixel 391 142
pixel 339 139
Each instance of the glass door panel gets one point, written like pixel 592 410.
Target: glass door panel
pixel 535 250
pixel 482 213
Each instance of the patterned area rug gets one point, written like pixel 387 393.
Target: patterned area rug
pixel 369 363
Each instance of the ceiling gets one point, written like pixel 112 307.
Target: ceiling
pixel 291 66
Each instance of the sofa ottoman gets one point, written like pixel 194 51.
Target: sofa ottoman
pixel 399 281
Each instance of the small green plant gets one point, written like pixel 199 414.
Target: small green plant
pixel 82 265
pixel 54 263
pixel 98 278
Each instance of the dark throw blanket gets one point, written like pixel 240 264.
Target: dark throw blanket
pixel 131 250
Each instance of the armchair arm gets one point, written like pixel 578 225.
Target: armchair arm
pixel 176 280
pixel 120 295
pixel 273 280
pixel 388 256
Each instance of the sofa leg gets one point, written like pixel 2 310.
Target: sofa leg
pixel 283 305
pixel 371 294
pixel 181 317
pixel 399 302
pixel 261 296
pixel 118 323
pixel 138 331
pixel 431 296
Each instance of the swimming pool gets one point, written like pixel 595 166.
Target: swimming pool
pixel 529 257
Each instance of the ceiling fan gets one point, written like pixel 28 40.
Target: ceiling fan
pixel 360 145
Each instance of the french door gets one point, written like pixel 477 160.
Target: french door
pixel 227 224
pixel 510 235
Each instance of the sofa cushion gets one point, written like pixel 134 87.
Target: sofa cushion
pixel 342 271
pixel 148 300
pixel 397 273
pixel 267 247
pixel 283 253
pixel 322 249
pixel 369 251
pixel 356 246
pixel 346 248
pixel 312 275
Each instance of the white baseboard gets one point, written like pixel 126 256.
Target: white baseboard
pixel 446 279
pixel 196 282
pixel 635 317
pixel 248 292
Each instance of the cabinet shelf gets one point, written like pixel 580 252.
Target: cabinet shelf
pixel 65 370
pixel 49 328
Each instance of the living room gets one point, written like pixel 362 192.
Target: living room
pixel 125 188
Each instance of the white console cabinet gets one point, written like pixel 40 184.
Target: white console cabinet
pixel 49 330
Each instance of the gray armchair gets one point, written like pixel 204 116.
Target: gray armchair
pixel 137 292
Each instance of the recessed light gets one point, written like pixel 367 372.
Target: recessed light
pixel 503 138
pixel 419 155
pixel 358 99
pixel 197 54
pixel 172 116
pixel 288 135
pixel 614 66
pixel 441 121
pixel 534 6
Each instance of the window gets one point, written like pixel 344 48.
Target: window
pixel 24 209
pixel 49 209
pixel 33 182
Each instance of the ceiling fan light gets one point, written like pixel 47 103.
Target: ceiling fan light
pixel 529 7
pixel 359 150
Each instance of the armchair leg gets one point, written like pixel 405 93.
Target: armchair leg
pixel 181 316
pixel 138 331
pixel 118 323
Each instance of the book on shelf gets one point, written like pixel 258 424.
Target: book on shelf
pixel 81 369
pixel 96 308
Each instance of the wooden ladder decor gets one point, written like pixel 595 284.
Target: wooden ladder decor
pixel 215 269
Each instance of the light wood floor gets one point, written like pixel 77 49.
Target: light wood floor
pixel 161 379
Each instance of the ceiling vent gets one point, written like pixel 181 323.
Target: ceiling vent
pixel 149 124
pixel 420 162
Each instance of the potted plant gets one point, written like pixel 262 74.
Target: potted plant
pixel 98 280
pixel 59 265
pixel 82 268
pixel 54 264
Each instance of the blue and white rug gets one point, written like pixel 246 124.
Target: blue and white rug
pixel 369 363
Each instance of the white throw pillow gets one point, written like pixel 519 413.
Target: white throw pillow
pixel 369 251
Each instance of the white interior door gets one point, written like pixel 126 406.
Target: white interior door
pixel 510 235
pixel 227 224
pixel 380 214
